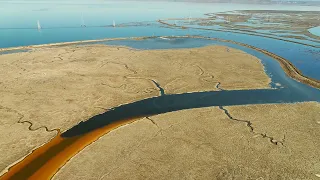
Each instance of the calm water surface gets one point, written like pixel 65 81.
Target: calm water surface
pixel 61 21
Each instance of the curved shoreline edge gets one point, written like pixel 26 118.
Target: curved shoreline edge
pixel 286 65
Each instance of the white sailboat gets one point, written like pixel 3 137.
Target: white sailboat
pixel 82 22
pixel 228 20
pixel 164 38
pixel 39 26
pixel 114 24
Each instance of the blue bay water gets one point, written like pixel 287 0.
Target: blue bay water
pixel 17 14
pixel 61 22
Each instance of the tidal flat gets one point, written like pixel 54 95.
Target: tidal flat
pixel 50 91
pixel 205 143
pixel 158 90
pixel 56 88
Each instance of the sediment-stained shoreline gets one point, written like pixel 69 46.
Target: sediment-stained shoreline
pixel 40 164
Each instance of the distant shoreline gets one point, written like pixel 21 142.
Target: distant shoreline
pixel 59 44
pixel 270 2
pixel 81 42
pixel 162 21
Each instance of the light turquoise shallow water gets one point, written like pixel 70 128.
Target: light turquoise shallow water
pixel 315 30
pixel 61 21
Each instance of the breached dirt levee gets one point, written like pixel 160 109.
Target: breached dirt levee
pixel 52 88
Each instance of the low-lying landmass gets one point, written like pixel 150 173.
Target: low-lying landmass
pixel 207 144
pixel 47 89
